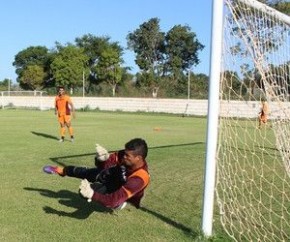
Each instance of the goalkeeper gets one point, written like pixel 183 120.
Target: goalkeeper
pixel 118 177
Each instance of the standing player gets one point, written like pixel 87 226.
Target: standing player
pixel 263 115
pixel 63 109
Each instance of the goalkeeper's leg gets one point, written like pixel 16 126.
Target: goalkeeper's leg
pixel 82 172
pixel 73 171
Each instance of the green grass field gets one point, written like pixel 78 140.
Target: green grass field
pixel 39 207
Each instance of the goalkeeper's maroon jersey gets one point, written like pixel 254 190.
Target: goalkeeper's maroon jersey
pixel 132 191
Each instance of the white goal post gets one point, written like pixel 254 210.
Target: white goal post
pixel 247 170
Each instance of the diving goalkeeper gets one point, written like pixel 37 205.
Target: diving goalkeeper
pixel 118 177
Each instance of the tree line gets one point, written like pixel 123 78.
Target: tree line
pixel 95 64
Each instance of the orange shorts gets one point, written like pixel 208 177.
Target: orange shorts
pixel 64 119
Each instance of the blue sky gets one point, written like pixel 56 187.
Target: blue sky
pixel 35 22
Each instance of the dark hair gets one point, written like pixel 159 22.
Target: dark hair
pixel 138 146
pixel 60 87
pixel 263 99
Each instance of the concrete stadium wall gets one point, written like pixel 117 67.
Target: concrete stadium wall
pixel 175 106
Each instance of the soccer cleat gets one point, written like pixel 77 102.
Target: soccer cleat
pixel 53 170
pixel 122 206
pixel 61 140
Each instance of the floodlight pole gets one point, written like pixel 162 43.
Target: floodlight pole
pixel 212 117
pixel 83 84
pixel 188 85
pixel 9 86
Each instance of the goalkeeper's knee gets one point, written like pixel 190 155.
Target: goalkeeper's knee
pixel 74 171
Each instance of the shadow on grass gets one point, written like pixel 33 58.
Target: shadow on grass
pixel 57 159
pixel 69 199
pixel 175 145
pixel 171 222
pixel 48 136
pixel 257 149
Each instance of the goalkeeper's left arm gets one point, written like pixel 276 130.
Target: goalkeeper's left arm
pixel 104 159
pixel 109 180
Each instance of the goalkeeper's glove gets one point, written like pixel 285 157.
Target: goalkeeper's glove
pixel 85 190
pixel 101 153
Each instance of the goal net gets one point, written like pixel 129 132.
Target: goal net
pixel 253 162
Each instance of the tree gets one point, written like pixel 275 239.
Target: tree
pixel 181 49
pixel 32 77
pixel 4 85
pixel 98 50
pixel 232 86
pixel 199 85
pixel 148 44
pixel 68 66
pixel 282 6
pixel 108 67
pixel 159 55
pixel 31 56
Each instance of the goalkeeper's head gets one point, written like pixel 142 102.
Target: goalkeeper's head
pixel 263 99
pixel 138 146
pixel 135 152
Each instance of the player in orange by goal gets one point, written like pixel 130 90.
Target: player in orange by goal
pixel 263 115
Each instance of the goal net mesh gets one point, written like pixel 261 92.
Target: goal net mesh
pixel 253 163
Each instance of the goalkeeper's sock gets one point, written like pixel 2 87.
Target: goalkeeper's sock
pixel 54 170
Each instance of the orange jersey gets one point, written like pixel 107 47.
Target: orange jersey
pixel 62 105
pixel 265 108
pixel 263 115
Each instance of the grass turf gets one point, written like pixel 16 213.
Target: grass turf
pixel 39 207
